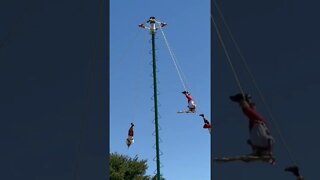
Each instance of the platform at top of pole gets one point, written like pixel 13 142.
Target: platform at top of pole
pixel 153 24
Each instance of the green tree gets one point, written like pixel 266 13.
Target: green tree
pixel 123 167
pixel 155 177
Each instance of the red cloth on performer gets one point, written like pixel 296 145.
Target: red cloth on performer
pixel 130 133
pixel 206 126
pixel 189 97
pixel 253 116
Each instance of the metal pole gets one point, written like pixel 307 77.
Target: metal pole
pixel 155 101
pixel 152 22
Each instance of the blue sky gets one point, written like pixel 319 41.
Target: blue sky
pixel 185 144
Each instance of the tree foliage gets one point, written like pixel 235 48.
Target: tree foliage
pixel 123 167
pixel 155 177
pixel 126 168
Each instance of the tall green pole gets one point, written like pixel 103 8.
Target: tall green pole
pixel 155 102
pixel 154 67
pixel 152 22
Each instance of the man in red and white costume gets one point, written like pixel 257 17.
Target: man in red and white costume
pixel 130 139
pixel 191 103
pixel 260 138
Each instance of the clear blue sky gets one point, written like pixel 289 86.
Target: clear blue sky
pixel 280 40
pixel 185 144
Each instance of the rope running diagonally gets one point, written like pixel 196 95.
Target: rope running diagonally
pixel 178 68
pixel 228 57
pixel 273 120
pixel 138 81
pixel 173 60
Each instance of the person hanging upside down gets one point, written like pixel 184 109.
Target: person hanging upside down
pixel 130 139
pixel 295 171
pixel 207 124
pixel 191 103
pixel 260 138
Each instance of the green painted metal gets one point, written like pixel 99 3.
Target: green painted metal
pixel 153 32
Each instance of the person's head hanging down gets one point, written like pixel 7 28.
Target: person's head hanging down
pixel 260 138
pixel 191 103
pixel 207 124
pixel 130 139
pixel 295 171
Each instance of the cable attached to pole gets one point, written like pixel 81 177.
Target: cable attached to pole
pixel 228 57
pixel 174 60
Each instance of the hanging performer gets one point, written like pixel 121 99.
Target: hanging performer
pixel 295 171
pixel 207 124
pixel 260 139
pixel 130 139
pixel 191 103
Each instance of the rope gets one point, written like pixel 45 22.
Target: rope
pixel 138 79
pixel 273 120
pixel 182 76
pixel 173 60
pixel 228 57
